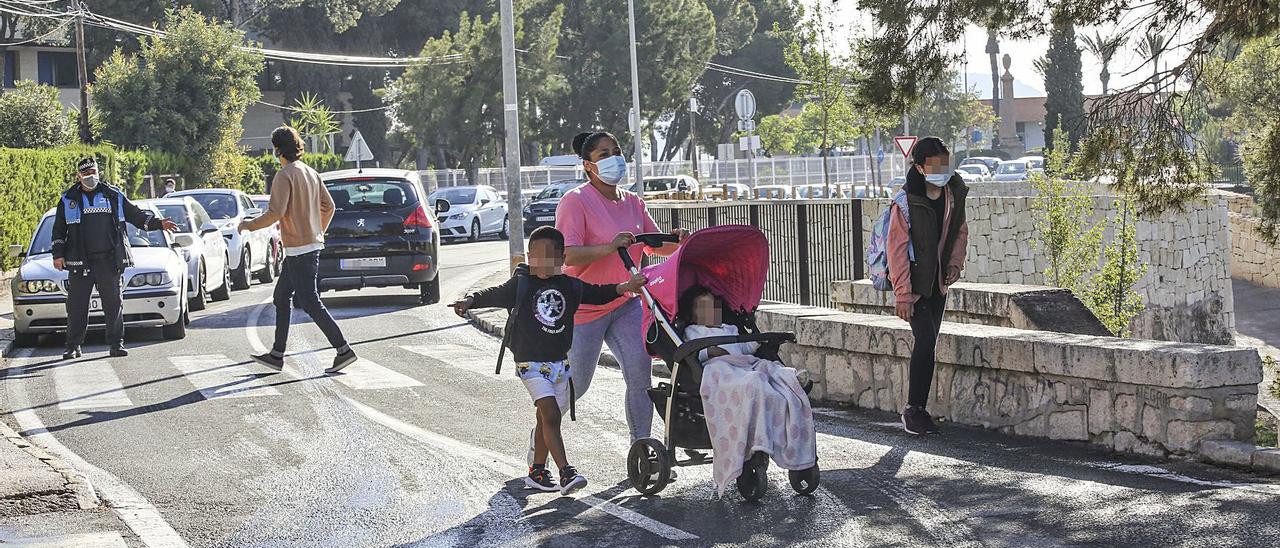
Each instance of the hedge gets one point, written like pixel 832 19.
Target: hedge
pixel 32 179
pixel 318 161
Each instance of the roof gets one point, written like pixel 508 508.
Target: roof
pixel 193 191
pixel 370 172
pixel 165 201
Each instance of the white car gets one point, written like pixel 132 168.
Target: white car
pixel 774 192
pixel 208 261
pixel 277 244
pixel 154 293
pixel 1011 171
pixel 974 173
pixel 474 211
pixel 1033 162
pixel 658 188
pixel 735 191
pixel 250 251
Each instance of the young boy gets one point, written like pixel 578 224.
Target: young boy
pixel 540 333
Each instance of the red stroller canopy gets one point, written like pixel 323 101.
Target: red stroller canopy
pixel 730 260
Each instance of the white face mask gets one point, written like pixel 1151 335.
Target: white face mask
pixel 89 181
pixel 612 170
pixel 938 179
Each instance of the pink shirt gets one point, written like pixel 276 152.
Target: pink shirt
pixel 587 217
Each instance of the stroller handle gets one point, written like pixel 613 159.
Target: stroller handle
pixel 652 240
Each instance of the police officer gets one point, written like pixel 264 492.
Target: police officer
pixel 89 242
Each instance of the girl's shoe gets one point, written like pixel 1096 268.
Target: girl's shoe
pixel 540 478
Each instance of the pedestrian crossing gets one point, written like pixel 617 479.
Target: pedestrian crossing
pixel 89 385
pixel 216 375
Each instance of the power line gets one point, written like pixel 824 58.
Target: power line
pixel 296 109
pixel 61 27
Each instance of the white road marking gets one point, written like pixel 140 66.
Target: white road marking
pixel 1157 472
pixel 89 385
pixel 141 517
pixel 85 540
pixel 510 466
pixel 461 357
pixel 367 375
pixel 251 327
pixel 217 376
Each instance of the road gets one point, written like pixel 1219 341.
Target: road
pixel 420 444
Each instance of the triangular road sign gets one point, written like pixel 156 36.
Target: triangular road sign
pixel 905 143
pixel 358 151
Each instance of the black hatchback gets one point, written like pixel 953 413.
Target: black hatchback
pixel 541 210
pixel 382 234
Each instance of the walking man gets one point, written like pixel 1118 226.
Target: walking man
pixel 89 242
pixel 303 207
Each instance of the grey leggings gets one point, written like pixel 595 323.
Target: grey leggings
pixel 622 330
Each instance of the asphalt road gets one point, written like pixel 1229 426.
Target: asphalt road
pixel 420 444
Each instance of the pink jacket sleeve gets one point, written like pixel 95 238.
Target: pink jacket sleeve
pixel 961 247
pixel 899 238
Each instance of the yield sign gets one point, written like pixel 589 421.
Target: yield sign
pixel 905 143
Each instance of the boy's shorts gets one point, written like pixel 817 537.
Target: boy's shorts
pixel 546 379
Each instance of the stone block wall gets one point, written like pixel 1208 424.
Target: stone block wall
pixel 1138 396
pixel 1252 258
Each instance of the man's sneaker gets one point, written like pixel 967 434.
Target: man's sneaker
pixel 118 352
pixel 269 361
pixel 571 480
pixel 340 361
pixel 71 353
pixel 540 478
pixel 915 420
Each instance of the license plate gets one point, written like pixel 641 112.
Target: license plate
pixel 364 263
pixel 95 305
pixel 545 218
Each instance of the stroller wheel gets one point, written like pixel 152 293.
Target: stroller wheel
pixel 754 479
pixel 804 481
pixel 648 466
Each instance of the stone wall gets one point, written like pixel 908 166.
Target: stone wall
pixel 1138 396
pixel 1252 258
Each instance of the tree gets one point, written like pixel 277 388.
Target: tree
pixel 1150 48
pixel 33 118
pixel 185 93
pixel 1063 84
pixel 825 75
pixel 1060 209
pixel 949 112
pixel 1111 296
pixel 314 120
pixel 1104 48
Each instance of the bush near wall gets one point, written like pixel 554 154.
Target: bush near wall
pixel 32 179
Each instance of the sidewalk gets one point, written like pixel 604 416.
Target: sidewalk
pixel 1258 326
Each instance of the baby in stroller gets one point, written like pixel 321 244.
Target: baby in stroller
pixel 756 409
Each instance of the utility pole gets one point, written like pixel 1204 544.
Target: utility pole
pixel 693 135
pixel 86 136
pixel 511 125
pixel 635 99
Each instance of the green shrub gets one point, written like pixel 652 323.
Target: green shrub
pixel 318 161
pixel 33 117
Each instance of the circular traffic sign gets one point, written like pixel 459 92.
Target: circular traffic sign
pixel 745 105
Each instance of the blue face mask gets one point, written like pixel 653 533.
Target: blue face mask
pixel 938 179
pixel 612 170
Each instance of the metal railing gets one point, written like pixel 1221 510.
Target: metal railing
pixel 812 242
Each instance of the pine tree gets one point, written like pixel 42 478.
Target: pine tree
pixel 1064 103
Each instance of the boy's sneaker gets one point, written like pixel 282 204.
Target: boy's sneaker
pixel 340 361
pixel 539 478
pixel 571 480
pixel 269 361
pixel 916 421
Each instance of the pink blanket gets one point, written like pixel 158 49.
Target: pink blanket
pixel 756 405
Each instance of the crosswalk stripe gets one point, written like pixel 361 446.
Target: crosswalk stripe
pixel 83 540
pixel 217 376
pixel 367 375
pixel 460 357
pixel 89 385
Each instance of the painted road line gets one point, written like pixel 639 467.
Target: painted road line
pixel 510 466
pixel 94 540
pixel 367 375
pixel 460 357
pixel 141 517
pixel 217 376
pixel 89 384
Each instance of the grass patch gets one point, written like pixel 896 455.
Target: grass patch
pixel 1265 429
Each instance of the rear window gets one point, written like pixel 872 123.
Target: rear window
pixel 365 194
pixel 660 185
pixel 556 191
pixel 1013 167
pixel 219 205
pixel 457 195
pixel 178 214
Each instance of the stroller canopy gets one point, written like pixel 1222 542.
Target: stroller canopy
pixel 730 260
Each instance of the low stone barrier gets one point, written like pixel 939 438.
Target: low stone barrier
pixel 1137 396
pixel 1034 307
pixel 1252 258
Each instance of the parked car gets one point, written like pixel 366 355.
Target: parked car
pixel 250 251
pixel 774 192
pixel 541 210
pixel 726 191
pixel 1011 171
pixel 155 292
pixel 867 191
pixel 657 188
pixel 473 212
pixel 974 173
pixel 383 234
pixel 208 261
pixel 991 162
pixel 1033 162
pixel 277 244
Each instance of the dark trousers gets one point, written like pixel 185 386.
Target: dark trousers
pixel 297 286
pixel 926 320
pixel 106 275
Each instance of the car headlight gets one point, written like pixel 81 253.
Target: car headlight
pixel 150 278
pixel 37 286
pixel 457 216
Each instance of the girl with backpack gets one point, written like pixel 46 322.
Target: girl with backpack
pixel 926 250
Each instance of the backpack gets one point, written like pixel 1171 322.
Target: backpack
pixel 878 248
pixel 522 294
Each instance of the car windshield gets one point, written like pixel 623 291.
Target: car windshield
pixel 176 213
pixel 139 238
pixel 1013 167
pixel 1035 163
pixel 261 203
pixel 971 169
pixel 456 195
pixel 659 185
pixel 556 191
pixel 43 241
pixel 365 194
pixel 218 205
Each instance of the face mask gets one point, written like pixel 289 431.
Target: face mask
pixel 89 181
pixel 612 170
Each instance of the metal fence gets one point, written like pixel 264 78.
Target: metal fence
pixel 812 242
pixel 790 171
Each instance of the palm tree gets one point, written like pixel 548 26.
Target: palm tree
pixel 1152 45
pixel 1104 48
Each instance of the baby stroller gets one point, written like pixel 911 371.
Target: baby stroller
pixel 732 261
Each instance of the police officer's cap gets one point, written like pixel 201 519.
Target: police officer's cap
pixel 87 164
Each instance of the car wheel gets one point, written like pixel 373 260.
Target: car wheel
pixel 267 274
pixel 429 291
pixel 506 228
pixel 240 276
pixel 202 277
pixel 223 292
pixel 21 339
pixel 176 330
pixel 475 230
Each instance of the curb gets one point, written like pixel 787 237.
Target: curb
pixel 77 486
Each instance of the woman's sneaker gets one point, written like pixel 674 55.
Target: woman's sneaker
pixel 540 478
pixel 571 480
